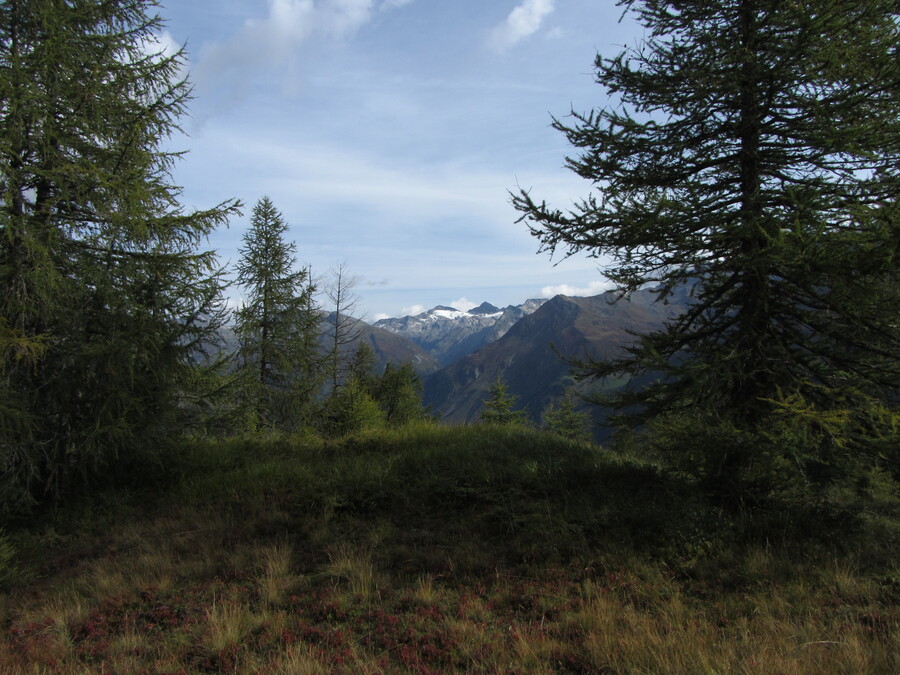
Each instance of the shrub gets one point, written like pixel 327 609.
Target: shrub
pixel 351 409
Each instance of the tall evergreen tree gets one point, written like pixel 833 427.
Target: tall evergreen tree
pixel 753 156
pixel 104 295
pixel 400 395
pixel 278 323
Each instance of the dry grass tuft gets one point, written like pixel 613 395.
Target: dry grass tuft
pixel 425 590
pixel 299 661
pixel 226 623
pixel 276 580
pixel 355 568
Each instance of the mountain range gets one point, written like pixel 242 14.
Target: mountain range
pixel 449 334
pixel 523 344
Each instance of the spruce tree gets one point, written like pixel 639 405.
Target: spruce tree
pixel 400 395
pixel 500 407
pixel 563 419
pixel 750 157
pixel 362 365
pixel 277 324
pixel 105 295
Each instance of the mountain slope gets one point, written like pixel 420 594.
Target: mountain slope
pixel 389 347
pixel 525 357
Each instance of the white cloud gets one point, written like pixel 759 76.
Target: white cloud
pixel 463 304
pixel 522 22
pixel 412 311
pixel 273 41
pixel 162 44
pixel 557 34
pixel 593 288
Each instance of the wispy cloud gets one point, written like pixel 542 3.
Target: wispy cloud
pixel 274 40
pixel 523 21
pixel 593 288
pixel 403 194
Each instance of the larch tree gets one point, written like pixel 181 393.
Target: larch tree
pixel 342 327
pixel 105 295
pixel 277 324
pixel 750 153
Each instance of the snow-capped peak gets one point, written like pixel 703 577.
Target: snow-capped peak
pixel 448 333
pixel 445 313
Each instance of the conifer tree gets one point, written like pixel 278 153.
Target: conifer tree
pixel 105 297
pixel 361 366
pixel 342 328
pixel 277 324
pixel 751 155
pixel 354 406
pixel 400 395
pixel 500 407
pixel 562 418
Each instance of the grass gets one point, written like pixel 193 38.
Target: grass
pixel 433 550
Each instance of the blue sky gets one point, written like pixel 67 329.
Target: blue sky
pixel 389 132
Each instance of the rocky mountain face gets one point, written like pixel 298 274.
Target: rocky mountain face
pixel 448 334
pixel 528 358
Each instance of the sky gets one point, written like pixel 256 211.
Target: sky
pixel 389 133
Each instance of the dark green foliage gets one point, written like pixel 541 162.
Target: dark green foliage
pixel 349 410
pixel 507 491
pixel 514 494
pixel 367 400
pixel 105 301
pixel 400 395
pixel 500 407
pixel 754 162
pixel 277 325
pixel 564 419
pixel 361 367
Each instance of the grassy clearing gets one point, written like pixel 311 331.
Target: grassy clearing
pixel 434 550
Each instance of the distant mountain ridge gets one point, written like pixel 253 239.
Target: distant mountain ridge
pixel 459 354
pixel 449 334
pixel 526 355
pixel 387 346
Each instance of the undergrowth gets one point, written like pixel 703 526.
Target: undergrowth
pixel 432 549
